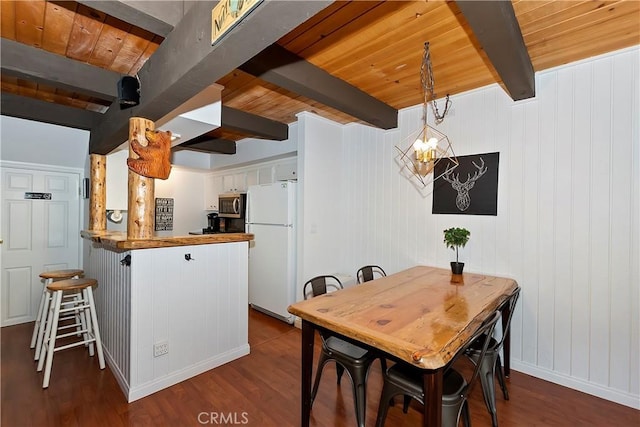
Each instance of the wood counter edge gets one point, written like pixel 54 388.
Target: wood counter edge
pixel 118 240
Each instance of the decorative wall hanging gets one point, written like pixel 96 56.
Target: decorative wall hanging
pixel 471 189
pixel 164 214
pixel 154 161
pixel 227 14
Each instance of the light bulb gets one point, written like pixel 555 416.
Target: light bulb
pixel 433 142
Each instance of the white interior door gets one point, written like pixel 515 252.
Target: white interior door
pixel 39 235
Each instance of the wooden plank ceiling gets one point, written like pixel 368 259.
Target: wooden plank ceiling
pixel 375 46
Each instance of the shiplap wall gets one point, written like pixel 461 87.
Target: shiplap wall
pixel 568 222
pixel 113 307
pixel 320 215
pixel 198 307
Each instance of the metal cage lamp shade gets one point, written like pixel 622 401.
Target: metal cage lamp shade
pixel 425 148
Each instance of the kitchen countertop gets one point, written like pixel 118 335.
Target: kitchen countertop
pixel 118 239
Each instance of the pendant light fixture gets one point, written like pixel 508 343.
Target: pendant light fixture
pixel 425 147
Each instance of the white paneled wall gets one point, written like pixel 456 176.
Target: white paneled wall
pixel 568 223
pixel 198 308
pixel 320 210
pixel 187 189
pixel 113 307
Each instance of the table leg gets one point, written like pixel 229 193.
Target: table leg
pixel 432 388
pixel 506 345
pixel 308 333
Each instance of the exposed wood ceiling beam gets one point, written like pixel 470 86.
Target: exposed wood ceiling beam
pixel 186 63
pixel 283 68
pixel 241 121
pixel 208 145
pixel 495 26
pixel 132 15
pixel 30 63
pixel 47 112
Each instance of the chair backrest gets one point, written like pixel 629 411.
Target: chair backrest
pixel 319 285
pixel 369 272
pixel 483 333
pixel 511 304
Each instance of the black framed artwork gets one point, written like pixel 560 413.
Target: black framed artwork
pixel 469 189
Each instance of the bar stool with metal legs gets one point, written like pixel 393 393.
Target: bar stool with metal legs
pixel 41 317
pixel 90 331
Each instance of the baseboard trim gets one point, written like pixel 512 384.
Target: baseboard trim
pixel 617 396
pixel 113 366
pixel 151 387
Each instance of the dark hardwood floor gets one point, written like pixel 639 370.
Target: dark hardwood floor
pixel 261 389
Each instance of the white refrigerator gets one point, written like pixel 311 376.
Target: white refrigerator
pixel 271 218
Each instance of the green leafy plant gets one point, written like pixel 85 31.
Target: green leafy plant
pixel 455 238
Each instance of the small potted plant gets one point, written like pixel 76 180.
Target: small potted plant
pixel 455 238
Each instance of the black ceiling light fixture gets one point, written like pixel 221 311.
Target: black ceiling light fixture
pixel 128 92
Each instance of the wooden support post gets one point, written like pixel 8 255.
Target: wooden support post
pixel 98 193
pixel 141 189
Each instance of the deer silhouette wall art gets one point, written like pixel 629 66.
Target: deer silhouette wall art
pixel 473 194
pixel 463 200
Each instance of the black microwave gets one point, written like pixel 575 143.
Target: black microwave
pixel 232 205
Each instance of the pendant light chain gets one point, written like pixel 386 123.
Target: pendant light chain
pixel 428 84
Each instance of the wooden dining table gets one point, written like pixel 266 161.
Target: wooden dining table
pixel 421 316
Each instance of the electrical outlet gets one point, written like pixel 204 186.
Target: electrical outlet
pixel 160 348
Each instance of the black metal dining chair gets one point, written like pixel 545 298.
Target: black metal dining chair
pixel 369 272
pixel 366 274
pixel 355 360
pixel 403 378
pixel 491 365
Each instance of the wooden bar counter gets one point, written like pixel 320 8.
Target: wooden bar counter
pixel 169 308
pixel 118 239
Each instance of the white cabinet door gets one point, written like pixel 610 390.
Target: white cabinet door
pixel 212 189
pixel 265 175
pixel 286 171
pixel 240 182
pixel 227 183
pixel 252 178
pixel 235 183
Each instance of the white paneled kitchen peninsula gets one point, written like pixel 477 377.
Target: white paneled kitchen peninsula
pixel 169 308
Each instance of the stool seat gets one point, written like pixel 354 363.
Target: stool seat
pixel 61 274
pixel 82 307
pixel 41 317
pixel 71 284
